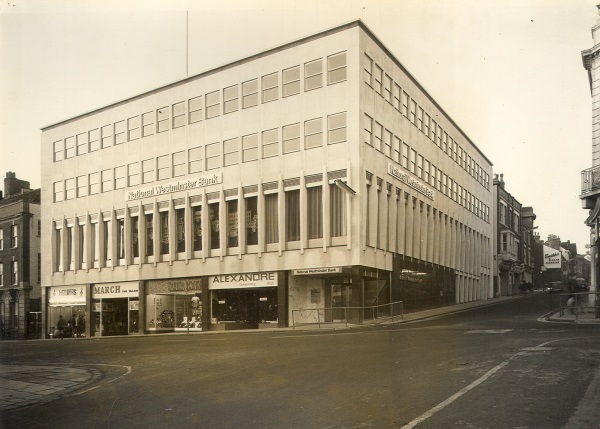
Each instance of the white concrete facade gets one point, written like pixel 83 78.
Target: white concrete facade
pixel 212 151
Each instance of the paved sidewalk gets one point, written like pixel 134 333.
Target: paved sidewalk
pixel 25 385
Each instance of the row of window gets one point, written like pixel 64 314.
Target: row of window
pixel 394 94
pixel 399 151
pixel 14 237
pixel 207 106
pixel 199 227
pixel 247 148
pixel 509 218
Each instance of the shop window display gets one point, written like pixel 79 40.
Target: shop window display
pixel 247 307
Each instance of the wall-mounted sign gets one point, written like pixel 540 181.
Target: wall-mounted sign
pixel 174 285
pixel 240 281
pixel 169 188
pixel 551 257
pixel 324 270
pixel 406 178
pixel 116 290
pixel 66 295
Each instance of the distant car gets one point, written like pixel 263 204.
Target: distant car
pixel 553 287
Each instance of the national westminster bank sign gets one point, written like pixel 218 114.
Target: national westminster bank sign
pixel 169 188
pixel 410 181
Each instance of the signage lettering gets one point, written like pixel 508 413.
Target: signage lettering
pixel 413 183
pixel 183 185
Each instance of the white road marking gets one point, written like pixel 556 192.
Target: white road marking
pixel 489 331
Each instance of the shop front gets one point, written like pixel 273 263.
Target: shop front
pixel 174 305
pixel 68 303
pixel 244 301
pixel 115 308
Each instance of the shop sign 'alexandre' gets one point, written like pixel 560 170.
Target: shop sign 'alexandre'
pixel 410 181
pixel 246 280
pixel 169 188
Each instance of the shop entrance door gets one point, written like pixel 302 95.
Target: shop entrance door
pixel 340 298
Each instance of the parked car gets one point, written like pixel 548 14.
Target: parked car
pixel 553 287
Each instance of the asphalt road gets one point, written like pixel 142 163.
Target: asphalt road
pixel 491 367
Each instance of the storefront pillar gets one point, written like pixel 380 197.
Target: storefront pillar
pixel 206 302
pixel 357 296
pixel 282 299
pixel 88 311
pixel 142 304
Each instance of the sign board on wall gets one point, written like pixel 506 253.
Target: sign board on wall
pixel 66 295
pixel 116 290
pixel 552 257
pixel 189 285
pixel 169 188
pixel 324 270
pixel 243 281
pixel 410 181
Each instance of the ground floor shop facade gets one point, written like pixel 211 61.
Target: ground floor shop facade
pixel 255 300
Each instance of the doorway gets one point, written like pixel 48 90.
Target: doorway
pixel 341 296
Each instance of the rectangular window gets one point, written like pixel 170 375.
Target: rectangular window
pixel 413 112
pixel 231 152
pixel 69 147
pixel 368 130
pixel 387 143
pixel 397 97
pixel 290 81
pixel 107 242
pixel 377 135
pixel 378 82
pixel 162 119
pixel 420 118
pixel 291 138
pixel 120 177
pixel 59 191
pixel 292 215
pixel 133 174
pixel 197 232
pixel 107 180
pixel 163 167
pixel 179 164
pixel 336 68
pixel 215 239
pixel 82 186
pixel 180 229
pixel 69 189
pixel 387 88
pixel 149 234
pixel 230 99
pixel 195 109
pixel 270 143
pixel 337 211
pixel 1 241
pixel 426 167
pixel 94 183
pixel 433 132
pixel 213 104
pixel 179 118
pixel 164 232
pixel 148 170
pixel 195 160
pixel 270 87
pixel 59 150
pixel 455 191
pixel 120 132
pixel 94 139
pixel 213 156
pixel 405 152
pixel 433 175
pixel 313 133
pixel 251 221
pixel 368 70
pixel 148 124
pixel 271 219
pixel 314 211
pixel 336 128
pixel 420 166
pixel 413 161
pixel 133 128
pixel 2 274
pixel 232 223
pixel 58 262
pixel 250 93
pixel 396 155
pixel 450 185
pixel 106 134
pixel 426 124
pixel 120 238
pixel 14 236
pixel 444 184
pixel 135 234
pixel 313 75
pixel 82 143
pixel 94 245
pixel 405 98
pixel 444 146
pixel 15 272
pixel 439 180
pixel 250 148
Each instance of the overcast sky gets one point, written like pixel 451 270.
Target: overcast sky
pixel 508 72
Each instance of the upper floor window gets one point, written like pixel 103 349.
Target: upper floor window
pixel 70 189
pixel 163 167
pixel 120 132
pixel 231 152
pixel 195 109
pixel 120 177
pixel 290 81
pixel 213 156
pixel 378 75
pixel 230 99
pixel 15 272
pixel 368 70
pixel 195 160
pixel 313 75
pixel 59 191
pixel 250 148
pixel 59 150
pixel 270 143
pixel 82 143
pixel 162 119
pixel 179 164
pixel 336 68
pixel 213 104
pixel 1 239
pixel 14 236
pixel 94 183
pixel 148 170
pixel 148 124
pixel 249 93
pixel 69 147
pixel 270 87
pixel 94 139
pixel 336 128
pixel 313 133
pixel 106 133
pixel 179 118
pixel 503 213
pixel 291 138
pixel 133 174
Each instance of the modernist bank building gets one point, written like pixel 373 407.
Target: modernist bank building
pixel 318 174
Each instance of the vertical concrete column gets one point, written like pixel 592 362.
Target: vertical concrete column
pixel 282 299
pixel 206 298
pixel 410 211
pixel 418 213
pixel 401 227
pixel 424 231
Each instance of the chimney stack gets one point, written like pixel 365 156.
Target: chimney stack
pixel 14 186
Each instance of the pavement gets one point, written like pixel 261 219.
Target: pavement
pixel 22 386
